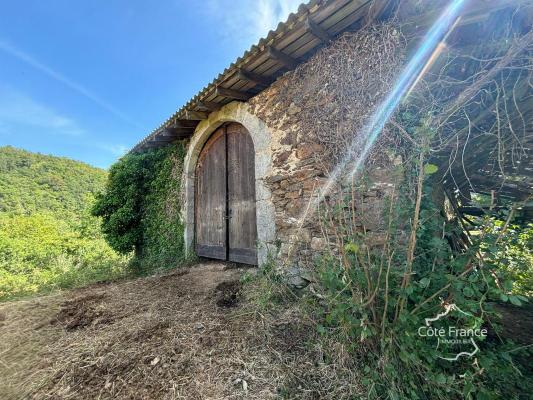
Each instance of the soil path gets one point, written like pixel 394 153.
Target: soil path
pixel 177 336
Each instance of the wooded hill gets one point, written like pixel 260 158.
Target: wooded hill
pixel 48 239
pixel 33 182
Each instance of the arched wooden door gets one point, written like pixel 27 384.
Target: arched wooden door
pixel 225 197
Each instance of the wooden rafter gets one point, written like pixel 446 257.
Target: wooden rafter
pixel 232 94
pixel 317 31
pixel 283 58
pixel 175 132
pixel 244 75
pixel 209 105
pixel 195 115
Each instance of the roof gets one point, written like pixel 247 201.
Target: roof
pixel 294 41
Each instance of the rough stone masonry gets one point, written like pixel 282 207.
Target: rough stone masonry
pixel 308 126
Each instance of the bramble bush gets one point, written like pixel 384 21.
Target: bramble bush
pixel 371 301
pixel 379 323
pixel 374 300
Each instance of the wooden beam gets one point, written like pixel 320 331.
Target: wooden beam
pixel 209 105
pixel 283 58
pixel 232 94
pixel 184 123
pixel 167 132
pixel 164 139
pixel 175 132
pixel 195 115
pixel 253 77
pixel 317 31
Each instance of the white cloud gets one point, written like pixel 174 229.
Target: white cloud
pixel 246 21
pixel 19 111
pixel 26 58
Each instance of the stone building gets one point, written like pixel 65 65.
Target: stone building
pixel 266 135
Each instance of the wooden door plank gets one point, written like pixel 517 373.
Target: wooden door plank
pixel 242 228
pixel 210 213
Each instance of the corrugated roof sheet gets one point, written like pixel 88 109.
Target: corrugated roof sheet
pixel 291 37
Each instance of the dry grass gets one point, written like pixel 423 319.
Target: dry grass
pixel 25 334
pixel 191 334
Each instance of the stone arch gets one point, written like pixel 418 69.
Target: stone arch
pixel 265 216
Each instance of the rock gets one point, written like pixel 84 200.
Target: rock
pixel 295 279
pixel 318 243
pixel 275 178
pixel 306 150
pixel 293 109
pixel 304 174
pixel 281 157
pixel 304 235
pixel 288 139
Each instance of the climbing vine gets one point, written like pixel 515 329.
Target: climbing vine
pixel 141 207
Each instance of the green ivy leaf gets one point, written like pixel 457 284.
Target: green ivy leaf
pixel 430 169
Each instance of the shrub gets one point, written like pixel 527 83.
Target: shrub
pixel 141 207
pixel 40 253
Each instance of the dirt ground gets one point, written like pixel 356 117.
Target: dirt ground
pixel 192 334
pixel 186 335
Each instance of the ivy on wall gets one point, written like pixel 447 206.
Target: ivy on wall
pixel 141 207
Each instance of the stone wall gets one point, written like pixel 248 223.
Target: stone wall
pixel 302 160
pixel 298 174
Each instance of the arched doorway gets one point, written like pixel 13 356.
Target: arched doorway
pixel 225 206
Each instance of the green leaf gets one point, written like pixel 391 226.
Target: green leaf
pixel 430 169
pixel 468 292
pixel 440 378
pixel 424 282
pixel 515 300
pixel 351 248
pixel 504 297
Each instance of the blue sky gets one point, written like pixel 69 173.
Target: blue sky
pixel 87 79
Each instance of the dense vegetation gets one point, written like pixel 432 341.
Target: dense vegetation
pixel 41 183
pixel 141 207
pixel 48 239
pixel 369 318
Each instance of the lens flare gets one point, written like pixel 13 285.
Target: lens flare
pixel 426 54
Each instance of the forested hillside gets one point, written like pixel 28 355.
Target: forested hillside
pixel 48 238
pixel 32 182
